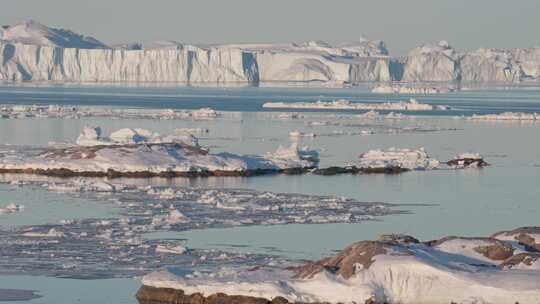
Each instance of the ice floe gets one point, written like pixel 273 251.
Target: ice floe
pixel 139 152
pixel 342 104
pixel 123 246
pixel 11 208
pixel 76 112
pixel 507 116
pixel 393 269
pixel 421 89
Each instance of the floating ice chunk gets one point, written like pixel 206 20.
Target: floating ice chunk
pixel 410 105
pixel 11 208
pixel 298 134
pixel 510 116
pixel 71 112
pixel 178 249
pixel 285 156
pixel 204 113
pixel 52 233
pixel 176 217
pixel 421 89
pixel 373 115
pixel 194 131
pixel 408 159
pixel 89 136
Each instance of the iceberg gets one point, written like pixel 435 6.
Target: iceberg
pixel 31 51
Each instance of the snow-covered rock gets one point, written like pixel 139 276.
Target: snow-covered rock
pixel 139 152
pixel 394 269
pixel 467 160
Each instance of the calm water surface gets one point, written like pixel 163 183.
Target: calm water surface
pixel 466 202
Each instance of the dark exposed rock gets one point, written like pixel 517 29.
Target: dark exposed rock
pixel 360 256
pixel 467 162
pixel 496 251
pixel 398 239
pixel 346 262
pixel 336 170
pixel 154 295
pixel 526 258
pixel 524 236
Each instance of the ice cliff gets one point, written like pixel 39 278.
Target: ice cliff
pixel 30 51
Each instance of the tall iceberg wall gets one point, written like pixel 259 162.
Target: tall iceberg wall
pixel 252 64
pixel 24 62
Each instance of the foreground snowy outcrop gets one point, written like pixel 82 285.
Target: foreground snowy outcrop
pixel 393 269
pixel 342 104
pixel 141 153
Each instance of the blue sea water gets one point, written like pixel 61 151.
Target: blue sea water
pixel 469 202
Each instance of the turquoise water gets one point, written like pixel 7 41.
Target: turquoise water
pixel 467 202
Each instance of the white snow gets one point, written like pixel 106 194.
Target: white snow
pixel 34 52
pixel 410 105
pixel 404 273
pixel 76 112
pixel 139 150
pixel 34 33
pixel 412 159
pixel 92 136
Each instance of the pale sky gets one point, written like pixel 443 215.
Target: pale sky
pixel 402 24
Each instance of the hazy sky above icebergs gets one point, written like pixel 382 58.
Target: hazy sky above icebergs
pixel 402 24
